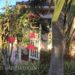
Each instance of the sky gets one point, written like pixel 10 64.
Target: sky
pixel 10 2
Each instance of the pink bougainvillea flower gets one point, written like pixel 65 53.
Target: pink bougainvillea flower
pixel 32 35
pixel 11 39
pixel 31 47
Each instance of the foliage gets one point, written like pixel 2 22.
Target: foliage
pixel 23 20
pixel 37 68
pixel 32 68
pixel 45 57
pixel 72 9
pixel 69 67
pixel 58 7
pixel 26 41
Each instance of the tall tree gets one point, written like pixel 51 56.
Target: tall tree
pixel 56 64
pixel 70 26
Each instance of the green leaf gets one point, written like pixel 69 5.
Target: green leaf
pixel 72 9
pixel 57 10
pixel 55 1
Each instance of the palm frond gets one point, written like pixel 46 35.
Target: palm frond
pixel 57 10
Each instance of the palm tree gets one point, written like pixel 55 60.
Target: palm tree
pixel 56 65
pixel 70 28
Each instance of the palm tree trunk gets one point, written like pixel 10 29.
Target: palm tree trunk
pixel 56 64
pixel 72 40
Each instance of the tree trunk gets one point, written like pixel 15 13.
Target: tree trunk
pixel 72 40
pixel 56 64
